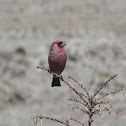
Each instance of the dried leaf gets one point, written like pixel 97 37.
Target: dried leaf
pixel 67 120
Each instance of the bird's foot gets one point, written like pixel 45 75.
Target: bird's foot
pixel 50 71
pixel 61 77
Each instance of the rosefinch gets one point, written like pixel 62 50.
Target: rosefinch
pixel 57 60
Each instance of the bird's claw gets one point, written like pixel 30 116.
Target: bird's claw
pixel 50 71
pixel 61 77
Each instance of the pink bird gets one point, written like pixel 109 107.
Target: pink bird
pixel 57 60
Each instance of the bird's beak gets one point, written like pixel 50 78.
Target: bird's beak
pixel 63 44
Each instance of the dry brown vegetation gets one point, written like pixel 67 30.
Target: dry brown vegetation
pixel 87 103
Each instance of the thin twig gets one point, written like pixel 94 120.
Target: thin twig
pixel 78 121
pixel 78 101
pixel 43 69
pixel 84 88
pixel 76 107
pixel 104 85
pixel 108 108
pixel 101 103
pixel 111 92
pixel 36 118
pixel 76 92
pixel 48 71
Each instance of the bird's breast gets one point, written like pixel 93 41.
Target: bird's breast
pixel 57 61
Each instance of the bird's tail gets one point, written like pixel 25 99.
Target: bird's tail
pixel 56 82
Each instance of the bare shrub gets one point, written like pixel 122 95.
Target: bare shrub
pixel 91 103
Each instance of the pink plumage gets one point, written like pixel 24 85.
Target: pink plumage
pixel 57 60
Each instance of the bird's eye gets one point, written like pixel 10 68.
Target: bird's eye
pixel 60 43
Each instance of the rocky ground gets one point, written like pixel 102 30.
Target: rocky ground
pixel 95 35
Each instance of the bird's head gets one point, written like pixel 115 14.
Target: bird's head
pixel 58 45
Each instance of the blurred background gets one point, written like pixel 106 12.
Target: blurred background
pixel 95 33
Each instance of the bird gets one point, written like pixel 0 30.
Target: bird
pixel 57 61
